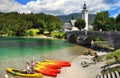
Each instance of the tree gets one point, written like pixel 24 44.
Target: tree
pixel 41 26
pixel 104 22
pixel 110 24
pixel 118 18
pixel 22 27
pixel 80 23
pixel 118 22
pixel 100 20
pixel 52 23
pixel 50 26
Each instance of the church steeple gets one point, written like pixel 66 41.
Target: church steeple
pixel 85 15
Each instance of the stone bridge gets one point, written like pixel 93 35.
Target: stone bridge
pixel 85 37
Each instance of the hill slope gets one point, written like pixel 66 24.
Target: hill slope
pixel 65 18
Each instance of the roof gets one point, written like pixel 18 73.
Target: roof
pixel 67 25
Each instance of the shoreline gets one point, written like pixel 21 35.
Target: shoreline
pixel 38 36
pixel 76 70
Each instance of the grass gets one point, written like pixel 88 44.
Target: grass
pixel 110 59
pixel 109 70
pixel 110 56
pixel 113 54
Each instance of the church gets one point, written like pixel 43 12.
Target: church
pixel 70 26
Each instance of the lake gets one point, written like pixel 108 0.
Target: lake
pixel 16 51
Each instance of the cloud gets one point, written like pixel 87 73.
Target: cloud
pixel 58 7
pixel 8 6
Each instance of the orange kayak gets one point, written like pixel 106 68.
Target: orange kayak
pixel 48 64
pixel 46 70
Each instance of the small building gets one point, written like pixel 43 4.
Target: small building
pixel 69 26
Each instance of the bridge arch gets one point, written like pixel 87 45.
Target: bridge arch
pixel 73 38
pixel 81 38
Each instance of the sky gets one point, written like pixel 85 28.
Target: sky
pixel 60 7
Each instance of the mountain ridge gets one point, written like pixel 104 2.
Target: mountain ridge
pixel 66 18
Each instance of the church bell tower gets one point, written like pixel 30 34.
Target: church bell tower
pixel 85 16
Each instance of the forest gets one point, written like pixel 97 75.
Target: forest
pixel 16 24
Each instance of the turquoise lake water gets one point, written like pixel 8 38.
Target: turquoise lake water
pixel 16 51
pixel 14 46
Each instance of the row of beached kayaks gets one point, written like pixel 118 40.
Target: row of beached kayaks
pixel 48 67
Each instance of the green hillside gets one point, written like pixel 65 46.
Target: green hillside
pixel 65 18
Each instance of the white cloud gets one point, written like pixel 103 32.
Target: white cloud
pixel 56 7
pixel 9 5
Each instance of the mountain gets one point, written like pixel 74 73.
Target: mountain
pixel 65 18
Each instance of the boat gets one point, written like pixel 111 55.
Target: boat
pixel 45 70
pixel 59 63
pixel 23 73
pixel 48 64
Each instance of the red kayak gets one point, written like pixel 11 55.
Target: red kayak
pixel 46 70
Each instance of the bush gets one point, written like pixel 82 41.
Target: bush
pixel 32 32
pixel 98 39
pixel 11 33
pixel 113 54
pixel 59 35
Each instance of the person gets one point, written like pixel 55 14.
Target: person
pixel 95 57
pixel 28 67
pixel 88 54
pixel 32 66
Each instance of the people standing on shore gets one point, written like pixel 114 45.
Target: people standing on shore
pixel 32 66
pixel 88 54
pixel 28 67
pixel 95 57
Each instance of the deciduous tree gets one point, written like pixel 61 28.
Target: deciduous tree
pixel 80 23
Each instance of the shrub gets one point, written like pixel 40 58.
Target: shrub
pixel 98 39
pixel 32 32
pixel 59 35
pixel 113 54
pixel 11 33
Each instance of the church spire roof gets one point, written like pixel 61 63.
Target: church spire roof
pixel 84 7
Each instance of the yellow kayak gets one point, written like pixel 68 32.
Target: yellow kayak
pixel 23 73
pixel 59 63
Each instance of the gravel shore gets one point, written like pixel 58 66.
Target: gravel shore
pixel 78 71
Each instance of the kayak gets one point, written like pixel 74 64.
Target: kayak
pixel 59 63
pixel 23 73
pixel 47 67
pixel 48 64
pixel 46 70
pixel 56 61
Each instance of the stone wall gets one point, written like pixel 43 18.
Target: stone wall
pixel 85 37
